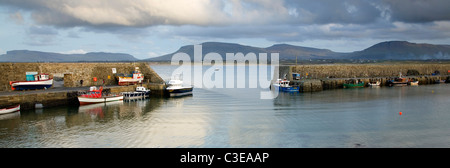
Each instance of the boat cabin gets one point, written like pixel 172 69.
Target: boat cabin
pixel 283 83
pixel 141 89
pixel 39 77
pixel 93 92
pixel 296 76
pixel 174 83
pixel 137 75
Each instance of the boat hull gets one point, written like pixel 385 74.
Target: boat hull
pixel 31 85
pixel 415 83
pixel 179 91
pixel 440 81
pixel 359 85
pixel 88 100
pixel 373 84
pixel 287 89
pixel 135 95
pixel 10 110
pixel 398 83
pixel 129 81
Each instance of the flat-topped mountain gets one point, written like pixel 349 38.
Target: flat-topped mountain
pixel 286 51
pixel 38 56
pixel 403 50
pixel 389 50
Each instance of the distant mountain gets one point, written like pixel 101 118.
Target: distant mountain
pixel 402 50
pixel 290 52
pixel 286 52
pixel 389 50
pixel 38 56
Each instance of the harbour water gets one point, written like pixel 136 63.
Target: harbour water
pixel 341 118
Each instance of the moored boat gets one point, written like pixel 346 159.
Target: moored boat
pixel 136 77
pixel 353 83
pixel 440 81
pixel 95 95
pixel 398 81
pixel 10 109
pixel 40 81
pixel 175 87
pixel 377 83
pixel 282 85
pixel 140 93
pixel 414 83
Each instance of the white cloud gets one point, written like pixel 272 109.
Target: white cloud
pixel 78 51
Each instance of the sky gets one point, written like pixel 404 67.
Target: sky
pixel 150 28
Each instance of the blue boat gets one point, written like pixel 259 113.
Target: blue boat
pixel 283 86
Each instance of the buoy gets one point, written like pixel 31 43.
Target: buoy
pixel 400 113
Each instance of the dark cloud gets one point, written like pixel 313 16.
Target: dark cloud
pixel 40 35
pixel 332 11
pixel 288 20
pixel 416 11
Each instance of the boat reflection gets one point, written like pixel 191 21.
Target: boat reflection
pixel 14 115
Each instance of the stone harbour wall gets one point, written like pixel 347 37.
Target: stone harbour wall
pixel 366 70
pixel 73 73
pixel 333 76
pixel 47 99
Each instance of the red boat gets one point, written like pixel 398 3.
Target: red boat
pixel 95 95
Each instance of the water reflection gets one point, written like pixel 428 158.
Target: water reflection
pixel 365 117
pixel 54 127
pixel 9 116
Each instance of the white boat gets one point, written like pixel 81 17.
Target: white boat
pixel 103 99
pixel 377 83
pixel 136 77
pixel 140 93
pixel 175 87
pixel 283 86
pixel 414 83
pixel 95 95
pixel 40 81
pixel 10 110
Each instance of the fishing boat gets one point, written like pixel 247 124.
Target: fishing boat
pixel 283 86
pixel 440 81
pixel 140 93
pixel 40 81
pixel 136 77
pixel 95 95
pixel 175 87
pixel 414 83
pixel 399 81
pixel 10 109
pixel 377 83
pixel 353 83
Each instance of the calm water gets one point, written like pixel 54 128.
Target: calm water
pixel 366 117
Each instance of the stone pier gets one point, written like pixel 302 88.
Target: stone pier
pixel 332 76
pixel 70 74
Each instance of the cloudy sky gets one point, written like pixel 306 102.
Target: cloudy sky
pixel 149 28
